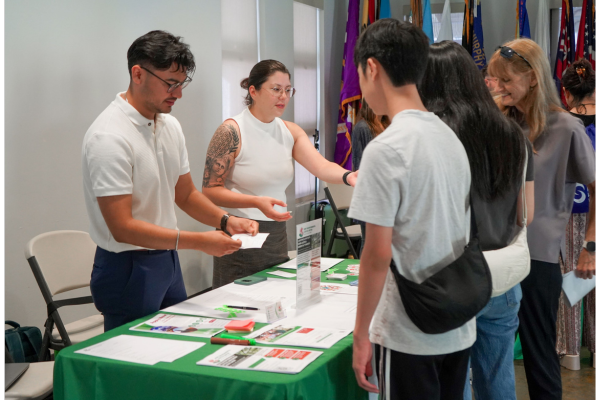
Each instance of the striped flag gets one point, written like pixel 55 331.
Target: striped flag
pixel 350 94
pixel 566 46
pixel 472 39
pixel 522 30
pixel 586 39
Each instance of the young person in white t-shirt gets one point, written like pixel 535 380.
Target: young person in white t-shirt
pixel 135 169
pixel 413 193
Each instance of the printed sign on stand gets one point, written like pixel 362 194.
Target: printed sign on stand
pixel 308 274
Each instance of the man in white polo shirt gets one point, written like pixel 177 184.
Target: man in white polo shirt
pixel 135 169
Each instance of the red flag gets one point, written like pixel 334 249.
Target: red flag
pixel 566 46
pixel 586 39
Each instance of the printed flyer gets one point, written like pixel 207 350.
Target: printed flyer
pixel 266 359
pixel 182 325
pixel 321 338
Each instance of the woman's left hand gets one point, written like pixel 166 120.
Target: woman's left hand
pixel 586 265
pixel 351 178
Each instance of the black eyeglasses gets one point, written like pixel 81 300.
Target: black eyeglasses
pixel 172 86
pixel 507 52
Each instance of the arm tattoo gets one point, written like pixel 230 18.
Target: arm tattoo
pixel 220 155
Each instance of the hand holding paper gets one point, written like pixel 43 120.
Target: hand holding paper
pixel 249 241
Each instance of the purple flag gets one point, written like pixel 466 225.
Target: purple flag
pixel 350 93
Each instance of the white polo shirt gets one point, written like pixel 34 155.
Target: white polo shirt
pixel 125 153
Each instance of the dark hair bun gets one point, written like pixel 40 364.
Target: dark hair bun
pixel 245 83
pixel 583 68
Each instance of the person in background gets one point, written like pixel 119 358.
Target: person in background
pixel 365 130
pixel 563 156
pixel 579 85
pixel 250 163
pixel 496 149
pixel 490 82
pixel 413 193
pixel 135 169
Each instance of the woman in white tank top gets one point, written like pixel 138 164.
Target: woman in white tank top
pixel 249 164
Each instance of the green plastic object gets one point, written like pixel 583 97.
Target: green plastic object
pixel 233 312
pixel 228 336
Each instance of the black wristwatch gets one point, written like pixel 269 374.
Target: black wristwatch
pixel 224 220
pixel 589 246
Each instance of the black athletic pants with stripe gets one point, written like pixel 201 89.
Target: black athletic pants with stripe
pixel 411 377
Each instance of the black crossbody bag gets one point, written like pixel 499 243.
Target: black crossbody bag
pixel 453 296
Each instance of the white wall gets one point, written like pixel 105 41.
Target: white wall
pixel 65 62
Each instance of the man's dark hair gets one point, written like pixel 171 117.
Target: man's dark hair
pixel 160 50
pixel 452 88
pixel 400 47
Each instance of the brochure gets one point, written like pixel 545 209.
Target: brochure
pixel 266 359
pixel 308 276
pixel 182 325
pixel 321 338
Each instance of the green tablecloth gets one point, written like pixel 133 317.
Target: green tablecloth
pixel 78 376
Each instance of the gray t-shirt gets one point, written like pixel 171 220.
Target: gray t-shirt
pixel 564 156
pixel 497 220
pixel 415 177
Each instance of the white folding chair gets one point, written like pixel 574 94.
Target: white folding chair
pixel 339 197
pixel 34 384
pixel 62 261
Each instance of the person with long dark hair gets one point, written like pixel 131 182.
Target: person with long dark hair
pixel 250 163
pixel 563 157
pixel 454 90
pixel 579 85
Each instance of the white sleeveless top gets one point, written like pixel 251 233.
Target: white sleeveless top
pixel 264 166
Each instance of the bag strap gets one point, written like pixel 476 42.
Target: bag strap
pixel 35 339
pixel 474 231
pixel 13 343
pixel 523 195
pixel 12 323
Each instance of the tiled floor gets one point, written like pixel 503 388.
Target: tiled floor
pixel 577 385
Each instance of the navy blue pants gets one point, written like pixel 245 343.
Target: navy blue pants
pixel 132 284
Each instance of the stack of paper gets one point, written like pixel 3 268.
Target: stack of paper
pixel 141 350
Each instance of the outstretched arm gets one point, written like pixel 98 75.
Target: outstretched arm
pixel 306 154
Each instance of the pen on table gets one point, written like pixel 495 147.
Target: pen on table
pixel 244 308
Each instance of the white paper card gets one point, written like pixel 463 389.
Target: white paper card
pixel 249 241
pixel 275 312
pixel 141 350
pixel 576 288
pixel 303 336
pixel 267 359
pixel 283 274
